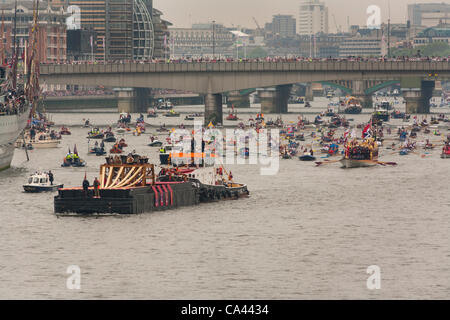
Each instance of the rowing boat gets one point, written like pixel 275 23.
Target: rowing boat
pixel 351 163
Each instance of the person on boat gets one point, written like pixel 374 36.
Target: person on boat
pixel 96 144
pixel 162 150
pixel 96 188
pixel 32 133
pixel 86 186
pixel 68 158
pixel 50 177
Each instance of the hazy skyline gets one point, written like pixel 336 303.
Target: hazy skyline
pixel 240 12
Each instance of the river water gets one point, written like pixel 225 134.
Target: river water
pixel 306 232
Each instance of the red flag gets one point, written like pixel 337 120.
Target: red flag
pixel 366 131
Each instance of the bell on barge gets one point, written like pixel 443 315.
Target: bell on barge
pixel 129 185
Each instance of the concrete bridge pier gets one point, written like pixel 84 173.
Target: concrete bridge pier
pixel 237 100
pixel 365 99
pixel 359 88
pixel 132 100
pixel 309 94
pixel 213 109
pixel 275 100
pixel 417 98
pixel 283 94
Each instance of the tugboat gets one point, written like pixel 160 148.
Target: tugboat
pixel 40 182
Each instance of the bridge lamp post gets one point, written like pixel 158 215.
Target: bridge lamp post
pixel 214 38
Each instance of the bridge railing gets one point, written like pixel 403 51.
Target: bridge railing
pixel 341 66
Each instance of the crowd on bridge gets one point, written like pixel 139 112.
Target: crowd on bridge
pixel 267 59
pixel 82 92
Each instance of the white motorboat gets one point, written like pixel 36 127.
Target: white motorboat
pixel 40 182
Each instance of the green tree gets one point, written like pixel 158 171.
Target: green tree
pixel 253 53
pixel 435 49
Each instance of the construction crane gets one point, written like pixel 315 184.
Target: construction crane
pixel 260 31
pixel 338 29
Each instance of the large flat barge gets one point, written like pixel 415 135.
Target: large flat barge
pixel 132 187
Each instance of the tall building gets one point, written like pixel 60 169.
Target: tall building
pixel 429 14
pixel 51 30
pixel 200 39
pixel 124 29
pixel 313 18
pixel 284 26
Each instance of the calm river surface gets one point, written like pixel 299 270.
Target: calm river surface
pixel 304 233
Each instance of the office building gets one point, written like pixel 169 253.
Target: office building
pixel 429 14
pixel 51 30
pixel 313 18
pixel 284 26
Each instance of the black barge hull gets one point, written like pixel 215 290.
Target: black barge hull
pixel 164 196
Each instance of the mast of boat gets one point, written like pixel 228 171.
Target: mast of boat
pixel 14 55
pixel 2 47
pixel 32 84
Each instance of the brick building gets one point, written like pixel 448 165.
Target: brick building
pixel 51 30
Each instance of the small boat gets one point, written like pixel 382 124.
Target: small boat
pixel 188 118
pixel 330 112
pixel 40 182
pixel 97 151
pixel 446 152
pixel 155 143
pixel 109 137
pixel 124 118
pixel 404 152
pixel 165 105
pixel 116 149
pixel 73 163
pixel 171 113
pixel 65 132
pixel 232 117
pixel 95 134
pixel 152 113
pixel 307 157
pixel 307 105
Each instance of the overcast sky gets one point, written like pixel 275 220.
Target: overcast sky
pixel 182 13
